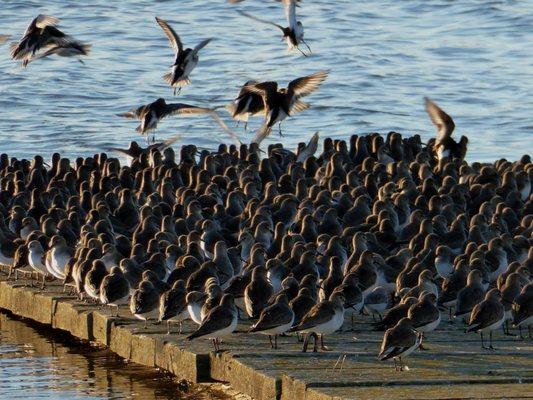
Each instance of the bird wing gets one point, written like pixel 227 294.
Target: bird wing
pixel 201 45
pixel 290 13
pixel 163 145
pixel 260 20
pixel 440 119
pixel 41 21
pixel 271 317
pixel 298 106
pixel 310 149
pixel 264 89
pixel 319 314
pixel 134 113
pixel 263 131
pixel 305 85
pixel 173 37
pixel 224 127
pixel 218 318
pixel 395 342
pixel 185 109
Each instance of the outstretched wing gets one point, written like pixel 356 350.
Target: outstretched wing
pixel 290 13
pixel 173 37
pixel 224 127
pixel 201 45
pixel 307 84
pixel 134 113
pixel 440 119
pixel 185 109
pixel 263 131
pixel 260 20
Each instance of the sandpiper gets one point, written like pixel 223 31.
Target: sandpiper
pixel 294 33
pixel 275 320
pixel 172 305
pixel 487 316
pixel 115 289
pixel 151 114
pixel 285 102
pixel 42 34
pixel 324 318
pixel 144 302
pixel 398 342
pixel 246 104
pixel 185 59
pixel 523 309
pixel 424 315
pixel 36 259
pixel 445 146
pixel 220 322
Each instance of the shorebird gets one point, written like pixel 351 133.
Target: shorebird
pixel 523 309
pixel 398 342
pixel 42 34
pixel 172 305
pixel 424 315
pixel 246 104
pixel 115 289
pixel 324 318
pixel 284 102
pixel 294 33
pixel 275 320
pixel 185 59
pixel 470 295
pixel 93 280
pixel 445 146
pixel 487 316
pixel 144 302
pixel 36 259
pixel 150 114
pixel 220 322
pixel 57 257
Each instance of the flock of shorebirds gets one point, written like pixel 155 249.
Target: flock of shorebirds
pixel 296 241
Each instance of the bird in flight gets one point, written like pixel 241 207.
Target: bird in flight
pixel 42 35
pixel 294 33
pixel 185 59
pixel 151 114
pixel 285 102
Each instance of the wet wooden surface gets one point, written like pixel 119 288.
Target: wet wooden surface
pixel 454 366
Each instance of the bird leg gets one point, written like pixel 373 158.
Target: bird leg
pixel 322 346
pixel 276 341
pixel 482 343
pixel 395 364
pixel 279 128
pixel 270 340
pixel 520 330
pixel 450 315
pixel 420 346
pixel 300 50
pixel 308 48
pixel 299 337
pixel 181 328
pixel 146 323
pixel 168 327
pixel 215 344
pixel 490 341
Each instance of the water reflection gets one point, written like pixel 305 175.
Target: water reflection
pixel 39 363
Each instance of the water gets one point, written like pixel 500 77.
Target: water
pixel 472 56
pixel 37 363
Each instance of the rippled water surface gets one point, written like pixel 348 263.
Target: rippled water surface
pixel 41 364
pixel 473 57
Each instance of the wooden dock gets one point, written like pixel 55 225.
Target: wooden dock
pixel 454 366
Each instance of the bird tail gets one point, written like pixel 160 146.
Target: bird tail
pixel 169 78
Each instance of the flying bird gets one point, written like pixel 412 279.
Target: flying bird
pixel 42 35
pixel 247 103
pixel 185 59
pixel 282 103
pixel 294 33
pixel 151 114
pixel 445 146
